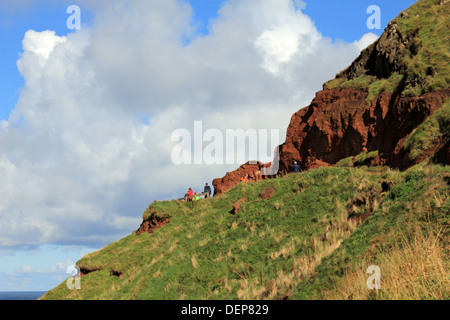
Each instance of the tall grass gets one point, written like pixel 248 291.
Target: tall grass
pixel 413 269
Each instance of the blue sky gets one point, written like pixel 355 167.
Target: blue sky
pixel 40 265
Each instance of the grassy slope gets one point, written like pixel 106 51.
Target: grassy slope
pixel 300 243
pixel 406 236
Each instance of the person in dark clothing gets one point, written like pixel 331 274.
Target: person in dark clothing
pixel 297 167
pixel 207 189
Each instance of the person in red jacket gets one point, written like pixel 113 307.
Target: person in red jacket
pixel 190 194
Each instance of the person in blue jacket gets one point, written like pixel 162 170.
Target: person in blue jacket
pixel 297 167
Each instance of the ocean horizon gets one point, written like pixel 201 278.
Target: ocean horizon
pixel 21 295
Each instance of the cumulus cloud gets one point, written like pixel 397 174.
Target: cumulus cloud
pixel 41 43
pixel 88 146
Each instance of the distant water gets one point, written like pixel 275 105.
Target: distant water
pixel 21 295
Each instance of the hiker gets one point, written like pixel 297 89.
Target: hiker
pixel 297 167
pixel 190 194
pixel 207 189
pixel 244 179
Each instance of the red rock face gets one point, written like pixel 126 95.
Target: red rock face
pixel 338 124
pixel 329 128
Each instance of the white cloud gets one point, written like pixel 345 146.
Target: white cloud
pixel 78 162
pixel 292 35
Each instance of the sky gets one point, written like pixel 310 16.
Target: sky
pixel 87 115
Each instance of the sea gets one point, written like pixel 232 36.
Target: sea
pixel 21 295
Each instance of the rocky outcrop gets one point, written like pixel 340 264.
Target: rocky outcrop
pixel 231 179
pixel 153 222
pixel 385 56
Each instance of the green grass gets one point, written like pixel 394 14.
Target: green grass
pixel 271 248
pixel 429 70
pixel 390 85
pixel 362 159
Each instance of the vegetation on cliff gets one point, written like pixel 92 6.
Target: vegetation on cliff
pixel 410 58
pixel 432 132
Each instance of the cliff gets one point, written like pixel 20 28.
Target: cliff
pixel 383 104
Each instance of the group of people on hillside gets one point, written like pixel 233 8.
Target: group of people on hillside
pixel 193 196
